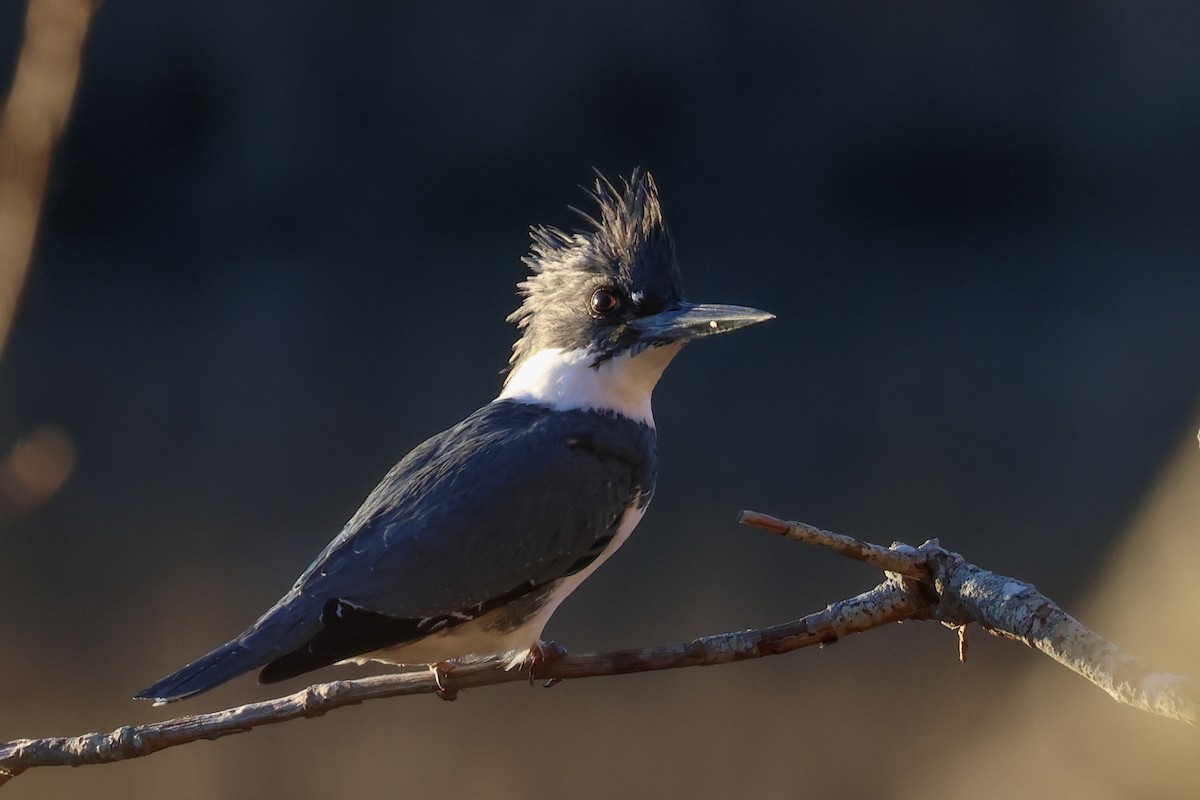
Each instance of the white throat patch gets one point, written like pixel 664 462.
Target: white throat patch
pixel 567 380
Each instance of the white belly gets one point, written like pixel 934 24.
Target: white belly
pixel 485 636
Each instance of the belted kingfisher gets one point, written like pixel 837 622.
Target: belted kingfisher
pixel 473 540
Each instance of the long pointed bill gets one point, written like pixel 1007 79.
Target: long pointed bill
pixel 693 320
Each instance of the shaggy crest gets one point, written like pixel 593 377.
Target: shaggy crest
pixel 628 249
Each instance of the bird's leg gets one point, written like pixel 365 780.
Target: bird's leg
pixel 544 652
pixel 440 670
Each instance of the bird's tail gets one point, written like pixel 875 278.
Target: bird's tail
pixel 275 633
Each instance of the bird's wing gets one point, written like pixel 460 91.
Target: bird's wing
pixel 512 497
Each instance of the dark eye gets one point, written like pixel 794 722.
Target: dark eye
pixel 604 301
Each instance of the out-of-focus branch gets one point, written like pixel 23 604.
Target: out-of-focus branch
pixel 925 582
pixel 1009 607
pixel 31 123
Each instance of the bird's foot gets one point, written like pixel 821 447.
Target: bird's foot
pixel 542 653
pixel 440 670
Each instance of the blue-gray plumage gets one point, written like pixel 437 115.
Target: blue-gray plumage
pixel 472 540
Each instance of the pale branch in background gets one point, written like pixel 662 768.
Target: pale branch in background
pixel 31 123
pixel 927 582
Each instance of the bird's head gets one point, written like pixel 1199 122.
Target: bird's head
pixel 614 288
pixel 611 293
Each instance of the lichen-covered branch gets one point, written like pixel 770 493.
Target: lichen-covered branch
pixel 1013 608
pixel 964 593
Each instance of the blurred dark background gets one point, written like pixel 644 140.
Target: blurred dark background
pixel 278 249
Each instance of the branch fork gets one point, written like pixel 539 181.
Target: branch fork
pixel 965 593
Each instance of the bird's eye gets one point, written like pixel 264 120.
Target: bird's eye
pixel 604 301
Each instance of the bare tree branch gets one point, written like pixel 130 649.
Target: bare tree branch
pixel 889 602
pixel 922 583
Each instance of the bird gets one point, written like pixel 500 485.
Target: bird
pixel 469 544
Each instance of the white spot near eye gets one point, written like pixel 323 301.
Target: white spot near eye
pixel 712 323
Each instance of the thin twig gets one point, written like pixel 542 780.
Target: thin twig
pixel 900 559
